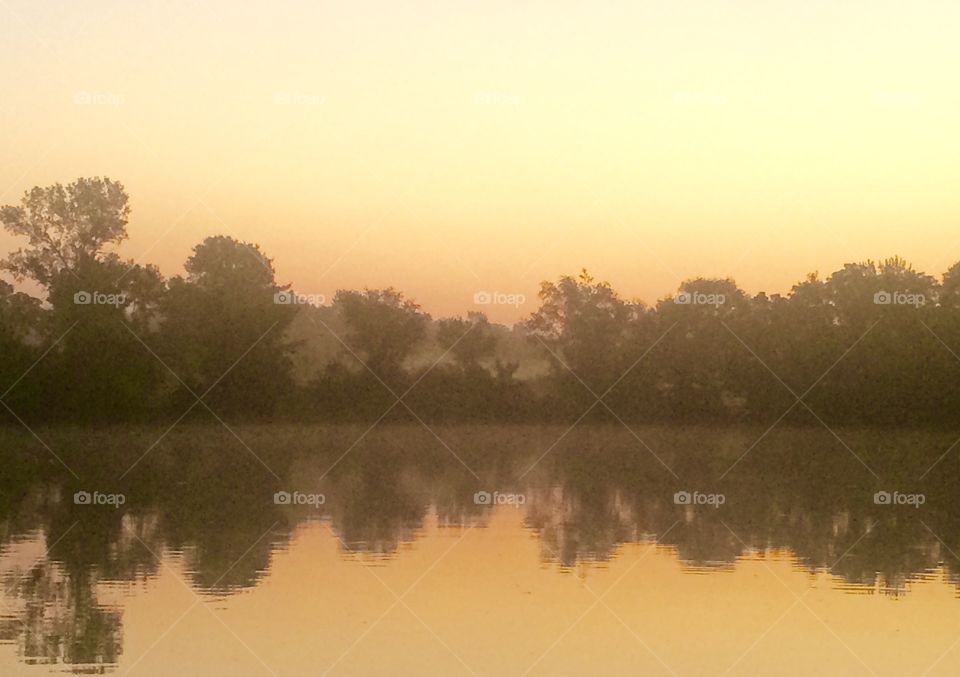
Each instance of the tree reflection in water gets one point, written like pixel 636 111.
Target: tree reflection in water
pixel 213 509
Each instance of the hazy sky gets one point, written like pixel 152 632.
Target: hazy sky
pixel 450 147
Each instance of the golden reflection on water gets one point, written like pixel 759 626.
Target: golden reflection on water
pixel 402 571
pixel 482 599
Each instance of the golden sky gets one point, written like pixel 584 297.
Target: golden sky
pixel 451 147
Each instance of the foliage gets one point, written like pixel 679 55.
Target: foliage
pixel 873 342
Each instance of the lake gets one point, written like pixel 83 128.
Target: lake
pixel 479 550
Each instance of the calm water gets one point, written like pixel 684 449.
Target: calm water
pixel 480 550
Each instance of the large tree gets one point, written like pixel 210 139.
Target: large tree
pixel 895 367
pixel 468 341
pixel 224 325
pixel 700 365
pixel 65 225
pixel 863 292
pixel 586 327
pixel 383 328
pixel 98 369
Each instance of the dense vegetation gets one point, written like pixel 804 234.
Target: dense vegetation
pixel 115 341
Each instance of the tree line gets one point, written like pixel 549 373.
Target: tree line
pixel 871 343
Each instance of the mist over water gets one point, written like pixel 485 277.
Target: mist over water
pixel 498 338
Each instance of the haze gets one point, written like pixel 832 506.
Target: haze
pixel 446 148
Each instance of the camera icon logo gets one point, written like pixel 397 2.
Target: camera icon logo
pixel 683 298
pixel 483 298
pixel 82 498
pixel 282 498
pixel 683 498
pixel 83 298
pixel 284 298
pixel 883 298
pixel 882 498
pixel 483 498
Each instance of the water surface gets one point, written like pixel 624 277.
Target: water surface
pixel 480 550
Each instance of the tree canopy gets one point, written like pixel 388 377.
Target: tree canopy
pixel 870 342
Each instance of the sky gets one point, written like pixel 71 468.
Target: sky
pixel 450 148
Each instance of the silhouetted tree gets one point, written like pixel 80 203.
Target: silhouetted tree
pixel 223 328
pixel 382 327
pixel 586 329
pixel 873 342
pixel 98 370
pixel 469 341
pixel 65 225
